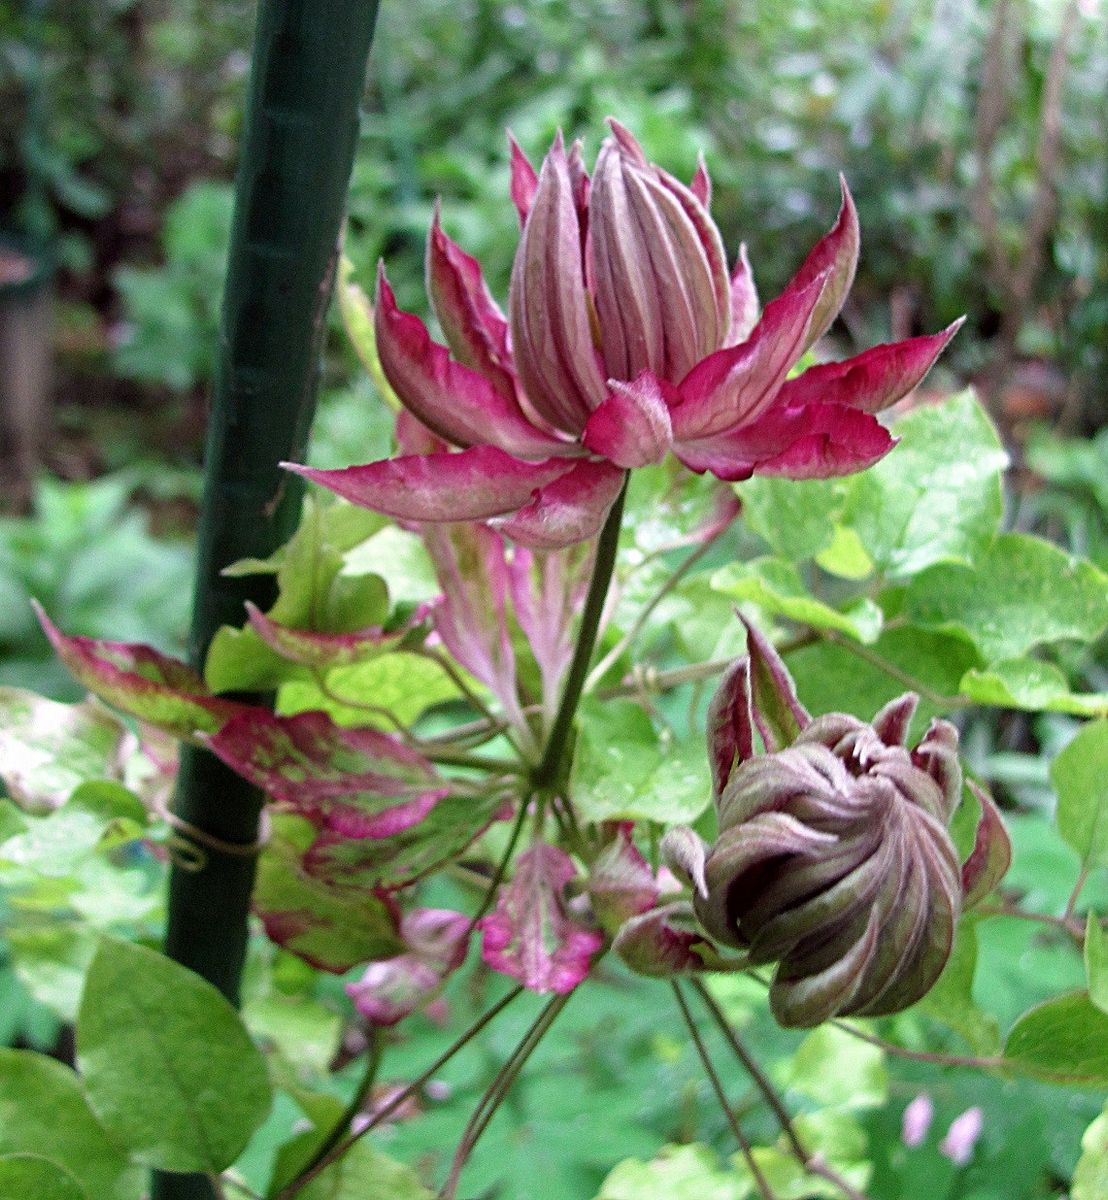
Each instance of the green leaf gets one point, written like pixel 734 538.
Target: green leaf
pixel 838 1070
pixel 405 684
pixel 328 925
pixel 675 1173
pixel 1065 1039
pixel 365 1173
pixel 168 1066
pixel 1096 961
pixel 1022 592
pixel 776 587
pixel 623 770
pixel 794 516
pixel 834 1136
pixel 1090 1179
pixel 1029 684
pixel 846 557
pixel 43 1111
pixel 1079 775
pixel 937 496
pixel 31 1175
pixel 48 749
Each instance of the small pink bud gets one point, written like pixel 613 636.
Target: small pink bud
pixel 962 1136
pixel 917 1120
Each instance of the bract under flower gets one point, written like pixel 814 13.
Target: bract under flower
pixel 625 339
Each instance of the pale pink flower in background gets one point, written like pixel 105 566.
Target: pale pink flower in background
pixel 962 1136
pixel 917 1120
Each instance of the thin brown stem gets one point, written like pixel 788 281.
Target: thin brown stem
pixel 812 1163
pixel 494 1094
pixel 744 1144
pixel 340 1148
pixel 1079 884
pixel 927 1056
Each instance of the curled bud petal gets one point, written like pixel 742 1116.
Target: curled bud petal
pixel 661 943
pixel 834 859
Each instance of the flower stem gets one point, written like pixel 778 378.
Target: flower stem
pixel 744 1143
pixel 547 772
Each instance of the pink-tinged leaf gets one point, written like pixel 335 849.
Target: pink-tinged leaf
pixel 744 300
pixel 472 618
pixel 548 589
pixel 474 327
pixel 394 988
pixel 835 256
pixel 701 185
pixel 821 441
pixel 471 485
pixel 398 861
pixel 570 509
pixel 552 341
pixel 456 402
pixel 529 936
pixel 892 722
pixel 330 926
pixel 684 853
pixel 873 380
pixel 778 713
pixel 524 181
pixel 991 855
pixel 348 781
pixel 730 724
pixel 309 649
pixel 621 883
pixel 730 389
pixel 632 428
pixel 143 682
pixel 663 942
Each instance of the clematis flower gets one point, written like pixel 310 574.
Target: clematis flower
pixel 626 338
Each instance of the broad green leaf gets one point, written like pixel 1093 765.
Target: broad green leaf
pixel 365 1173
pixel 1090 1179
pixel 623 770
pixel 304 1030
pixel 331 926
pixel 51 960
pixel 401 559
pixel 951 1002
pixel 838 1070
pixel 1030 684
pixel 1021 593
pixel 795 516
pixel 1065 1039
pixel 168 1066
pixel 846 557
pixel 834 678
pixel 833 1135
pixel 43 1111
pixel 404 684
pixel 47 749
pixel 31 1175
pixel 776 587
pixel 937 496
pixel 1096 961
pixel 690 1172
pixel 1079 775
pixel 239 660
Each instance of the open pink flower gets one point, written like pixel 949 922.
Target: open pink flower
pixel 626 338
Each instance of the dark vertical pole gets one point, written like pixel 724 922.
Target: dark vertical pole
pixel 299 137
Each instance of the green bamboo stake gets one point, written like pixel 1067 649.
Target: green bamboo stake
pixel 299 137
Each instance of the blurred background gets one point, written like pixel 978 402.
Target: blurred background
pixel 971 132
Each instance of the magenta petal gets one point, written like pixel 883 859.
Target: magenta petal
pixel 730 723
pixel 452 400
pixel 471 485
pixel 474 327
pixel 819 441
pixel 734 386
pixel 991 855
pixel 873 380
pixel 836 256
pixel 632 426
pixel 701 185
pixel 744 300
pixel 529 936
pixel 570 509
pixel 524 181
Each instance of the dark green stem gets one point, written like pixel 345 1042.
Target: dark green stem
pixel 300 132
pixel 546 774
